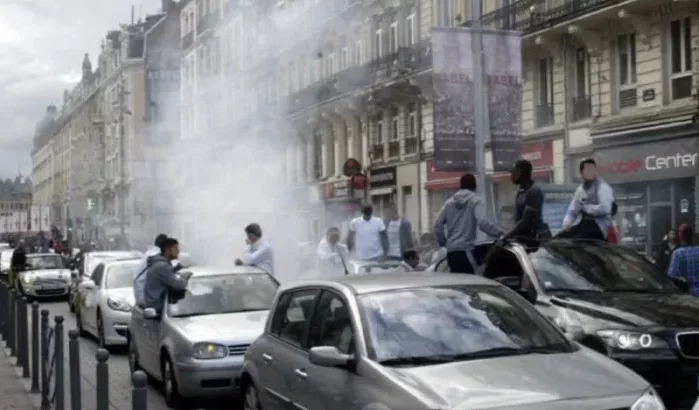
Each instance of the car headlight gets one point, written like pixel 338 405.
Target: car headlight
pixel 649 400
pixel 117 304
pixel 209 351
pixel 629 340
pixel 27 279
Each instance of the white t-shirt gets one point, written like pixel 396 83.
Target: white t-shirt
pixel 367 238
pixel 393 229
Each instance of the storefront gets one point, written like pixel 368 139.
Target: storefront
pixel 342 204
pixel 654 186
pixel 382 188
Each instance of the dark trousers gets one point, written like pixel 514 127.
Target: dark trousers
pixel 586 229
pixel 458 262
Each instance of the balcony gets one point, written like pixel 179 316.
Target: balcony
pixel 187 40
pixel 582 108
pixel 544 115
pixel 206 23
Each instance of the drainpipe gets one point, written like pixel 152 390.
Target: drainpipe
pixel 566 112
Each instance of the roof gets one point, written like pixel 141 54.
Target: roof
pixel 363 284
pixel 200 271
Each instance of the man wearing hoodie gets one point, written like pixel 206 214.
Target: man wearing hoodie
pixel 140 281
pixel 461 215
pixel 161 277
pixel 332 254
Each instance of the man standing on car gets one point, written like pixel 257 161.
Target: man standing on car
pixel 462 215
pixel 139 282
pixel 18 262
pixel 259 252
pixel 589 214
pixel 399 233
pixel 161 277
pixel 685 260
pixel 529 204
pixel 332 254
pixel 367 236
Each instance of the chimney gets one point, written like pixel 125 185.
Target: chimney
pixel 51 110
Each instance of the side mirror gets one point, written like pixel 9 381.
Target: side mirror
pixel 575 333
pixel 681 283
pixel 329 356
pixel 150 313
pixel 87 284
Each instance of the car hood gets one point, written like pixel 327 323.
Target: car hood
pixel 125 294
pixel 647 310
pixel 49 273
pixel 226 328
pixel 520 380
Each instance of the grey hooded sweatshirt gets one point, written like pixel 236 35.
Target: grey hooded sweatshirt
pixel 461 215
pixel 161 278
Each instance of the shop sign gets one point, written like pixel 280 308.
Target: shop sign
pixel 339 190
pixel 648 162
pixel 383 177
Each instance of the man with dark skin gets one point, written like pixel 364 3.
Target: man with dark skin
pixel 367 236
pixel 529 203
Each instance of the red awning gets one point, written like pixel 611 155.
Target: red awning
pixel 540 175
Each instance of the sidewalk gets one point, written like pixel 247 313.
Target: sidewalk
pixel 14 390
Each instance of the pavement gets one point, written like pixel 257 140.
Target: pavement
pixel 14 390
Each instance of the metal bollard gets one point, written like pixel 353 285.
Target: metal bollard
pixel 59 373
pixel 102 356
pixel 18 328
pixel 36 338
pixel 139 396
pixel 74 369
pixel 45 402
pixel 24 336
pixel 11 334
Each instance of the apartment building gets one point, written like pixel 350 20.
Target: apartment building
pixel 42 158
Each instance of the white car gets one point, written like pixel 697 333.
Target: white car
pixel 5 261
pixel 105 300
pixel 46 275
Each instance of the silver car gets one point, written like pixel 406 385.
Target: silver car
pixel 425 341
pixel 105 300
pixel 46 275
pixel 195 346
pixel 5 261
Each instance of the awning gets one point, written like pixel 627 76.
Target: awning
pixel 382 191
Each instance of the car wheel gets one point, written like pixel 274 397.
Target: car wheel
pixel 100 332
pixel 171 390
pixel 251 400
pixel 133 357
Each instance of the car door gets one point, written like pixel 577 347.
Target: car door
pixel 282 346
pixel 89 298
pixel 323 387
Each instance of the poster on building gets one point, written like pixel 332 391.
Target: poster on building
pixel 632 218
pixel 454 116
pixel 503 76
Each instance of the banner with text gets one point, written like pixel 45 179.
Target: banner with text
pixel 454 116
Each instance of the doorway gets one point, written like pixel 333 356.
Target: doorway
pixel 661 217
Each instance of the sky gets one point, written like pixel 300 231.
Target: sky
pixel 42 44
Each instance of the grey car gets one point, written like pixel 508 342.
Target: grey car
pixel 195 346
pixel 46 275
pixel 421 342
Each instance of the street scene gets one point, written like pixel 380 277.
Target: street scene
pixel 350 204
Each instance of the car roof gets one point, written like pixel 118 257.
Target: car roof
pixel 363 284
pixel 203 270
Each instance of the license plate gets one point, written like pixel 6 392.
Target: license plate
pixel 50 286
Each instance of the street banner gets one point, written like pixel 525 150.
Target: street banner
pixel 503 76
pixel 454 116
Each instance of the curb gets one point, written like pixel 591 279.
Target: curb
pixel 26 383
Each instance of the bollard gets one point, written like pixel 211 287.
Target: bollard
pixel 139 396
pixel 74 369
pixel 59 371
pixel 18 337
pixel 45 402
pixel 24 336
pixel 102 356
pixel 36 338
pixel 11 316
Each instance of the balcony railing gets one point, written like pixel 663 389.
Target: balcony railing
pixel 533 15
pixel 544 115
pixel 582 108
pixel 187 40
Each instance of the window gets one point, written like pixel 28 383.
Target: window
pixel 378 40
pixel 393 40
pixel 97 275
pixel 345 58
pixel 446 13
pixel 546 80
pixel 292 314
pixel 331 64
pixel 379 132
pixel 626 61
pixel 582 72
pixel 410 30
pixel 358 55
pixel 331 324
pixel 394 126
pixel 681 58
pixel 412 121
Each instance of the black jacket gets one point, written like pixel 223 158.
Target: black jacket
pixel 19 257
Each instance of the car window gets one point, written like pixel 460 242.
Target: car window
pixel 597 268
pixel 37 262
pixel 296 315
pixel 331 325
pixel 121 275
pixel 455 322
pixel 97 275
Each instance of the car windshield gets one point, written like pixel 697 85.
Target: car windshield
pixel 207 295
pixel 597 268
pixel 454 323
pixel 37 262
pixel 121 275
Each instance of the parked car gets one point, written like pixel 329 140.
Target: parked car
pixel 619 302
pixel 5 261
pixel 45 275
pixel 195 346
pixel 84 265
pixel 356 267
pixel 425 341
pixel 105 300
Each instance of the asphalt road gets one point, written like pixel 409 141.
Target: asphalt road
pixel 119 375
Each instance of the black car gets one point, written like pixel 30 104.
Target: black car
pixel 610 299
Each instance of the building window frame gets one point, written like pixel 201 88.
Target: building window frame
pixel 358 52
pixel 395 126
pixel 345 58
pixel 331 64
pixel 412 121
pixel 445 13
pixel 378 43
pixel 410 32
pixel 680 58
pixel 582 73
pixel 379 132
pixel 394 41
